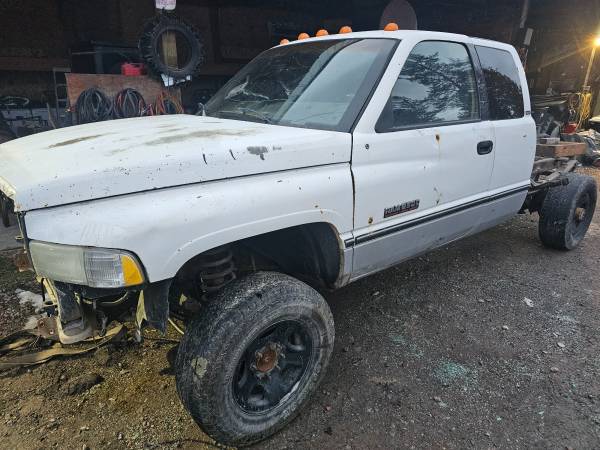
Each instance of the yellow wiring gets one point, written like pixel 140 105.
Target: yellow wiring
pixel 584 110
pixel 161 107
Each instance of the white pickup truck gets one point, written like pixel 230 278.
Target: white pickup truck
pixel 322 161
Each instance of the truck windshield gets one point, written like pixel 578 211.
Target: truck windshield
pixel 319 84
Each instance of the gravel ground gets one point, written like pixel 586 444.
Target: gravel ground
pixel 490 342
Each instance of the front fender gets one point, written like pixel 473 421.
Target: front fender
pixel 165 228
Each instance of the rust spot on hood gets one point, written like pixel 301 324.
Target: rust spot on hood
pixel 258 151
pixel 74 141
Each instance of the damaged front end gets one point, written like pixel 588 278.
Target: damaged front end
pixel 87 288
pixel 82 312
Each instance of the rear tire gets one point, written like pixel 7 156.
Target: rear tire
pixel 567 212
pixel 253 358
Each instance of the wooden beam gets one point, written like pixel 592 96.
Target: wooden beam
pixel 29 64
pixel 561 150
pixel 169 49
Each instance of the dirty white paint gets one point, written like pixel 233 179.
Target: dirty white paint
pixel 437 165
pixel 118 157
pixel 167 227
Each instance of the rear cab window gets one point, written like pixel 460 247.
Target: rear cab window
pixel 436 86
pixel 503 84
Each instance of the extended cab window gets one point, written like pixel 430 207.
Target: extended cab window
pixel 505 96
pixel 318 84
pixel 436 86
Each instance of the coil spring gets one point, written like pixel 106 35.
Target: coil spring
pixel 216 269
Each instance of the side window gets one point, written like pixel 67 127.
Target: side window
pixel 504 92
pixel 436 85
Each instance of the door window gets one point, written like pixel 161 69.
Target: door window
pixel 505 96
pixel 436 86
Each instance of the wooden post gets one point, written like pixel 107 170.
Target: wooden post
pixel 169 49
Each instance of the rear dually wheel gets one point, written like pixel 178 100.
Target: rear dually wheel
pixel 567 212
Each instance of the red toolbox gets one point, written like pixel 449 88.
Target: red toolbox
pixel 133 69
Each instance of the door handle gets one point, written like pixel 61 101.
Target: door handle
pixel 485 147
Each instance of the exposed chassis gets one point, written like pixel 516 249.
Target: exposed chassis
pixel 546 174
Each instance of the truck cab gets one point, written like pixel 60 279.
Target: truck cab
pixel 443 149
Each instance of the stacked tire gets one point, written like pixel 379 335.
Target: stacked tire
pixel 150 45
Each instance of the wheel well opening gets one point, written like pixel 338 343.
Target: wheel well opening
pixel 310 252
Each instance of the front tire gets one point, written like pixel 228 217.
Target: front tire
pixel 567 212
pixel 253 358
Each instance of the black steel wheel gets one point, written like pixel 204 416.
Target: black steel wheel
pixel 271 366
pixel 567 212
pixel 251 360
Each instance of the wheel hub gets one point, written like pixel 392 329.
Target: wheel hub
pixel 579 214
pixel 267 358
pixel 271 366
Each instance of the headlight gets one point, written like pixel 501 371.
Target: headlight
pixel 94 267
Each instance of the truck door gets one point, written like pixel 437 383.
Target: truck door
pixel 514 128
pixel 419 172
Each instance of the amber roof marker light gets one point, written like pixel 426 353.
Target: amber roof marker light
pixel 284 41
pixel 345 29
pixel 322 32
pixel 303 36
pixel 391 27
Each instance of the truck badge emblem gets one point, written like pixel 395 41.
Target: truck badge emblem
pixel 400 209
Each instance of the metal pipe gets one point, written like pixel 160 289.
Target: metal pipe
pixel 524 13
pixel 589 69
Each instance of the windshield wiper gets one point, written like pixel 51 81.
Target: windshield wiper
pixel 246 112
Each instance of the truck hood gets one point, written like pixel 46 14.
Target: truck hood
pixel 119 157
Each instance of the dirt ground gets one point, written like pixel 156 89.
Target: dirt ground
pixel 491 342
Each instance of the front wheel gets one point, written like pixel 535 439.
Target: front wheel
pixel 248 364
pixel 567 212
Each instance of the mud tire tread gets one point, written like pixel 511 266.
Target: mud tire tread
pixel 206 353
